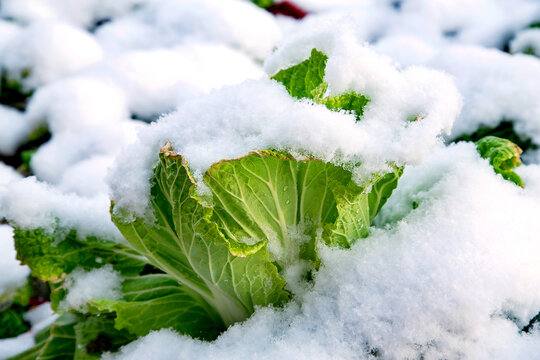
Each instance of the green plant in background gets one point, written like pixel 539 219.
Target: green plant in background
pixel 503 155
pixel 504 130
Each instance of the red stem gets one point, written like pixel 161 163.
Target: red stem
pixel 287 8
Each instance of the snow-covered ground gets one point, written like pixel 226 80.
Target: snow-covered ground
pixel 440 281
pixel 450 269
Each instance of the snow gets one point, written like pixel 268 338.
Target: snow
pixel 13 346
pixel 47 51
pixel 407 49
pixel 155 81
pixel 7 175
pixel 68 149
pixel 14 130
pixel 167 23
pixel 450 269
pixel 526 40
pixel 482 22
pixel 87 99
pixel 441 281
pixel 74 103
pixel 495 87
pixel 85 177
pixel 8 30
pixel 13 274
pixel 29 204
pixel 83 286
pixel 76 12
pixel 40 317
pixel 261 114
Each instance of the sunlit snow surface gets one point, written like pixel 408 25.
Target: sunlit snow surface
pixel 457 277
pixel 83 286
pixel 261 114
pixel 440 281
pixel 13 275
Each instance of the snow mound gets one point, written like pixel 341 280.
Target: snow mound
pixel 441 281
pixel 46 51
pixel 82 13
pixel 256 115
pixel 167 23
pixel 29 204
pixel 83 286
pixel 13 274
pixel 14 130
pixel 526 41
pixel 495 87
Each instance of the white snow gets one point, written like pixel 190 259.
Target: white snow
pixel 40 317
pixel 83 154
pixel 14 130
pixel 406 49
pixel 260 114
pixel 14 275
pixel 89 113
pixel 74 103
pixel 30 204
pixel 83 286
pixel 7 175
pixel 156 81
pixel 451 267
pixel 8 30
pixel 13 346
pixel 239 24
pixel 483 22
pixel 46 51
pixel 86 177
pixel 75 12
pixel 441 281
pixel 526 40
pixel 495 87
